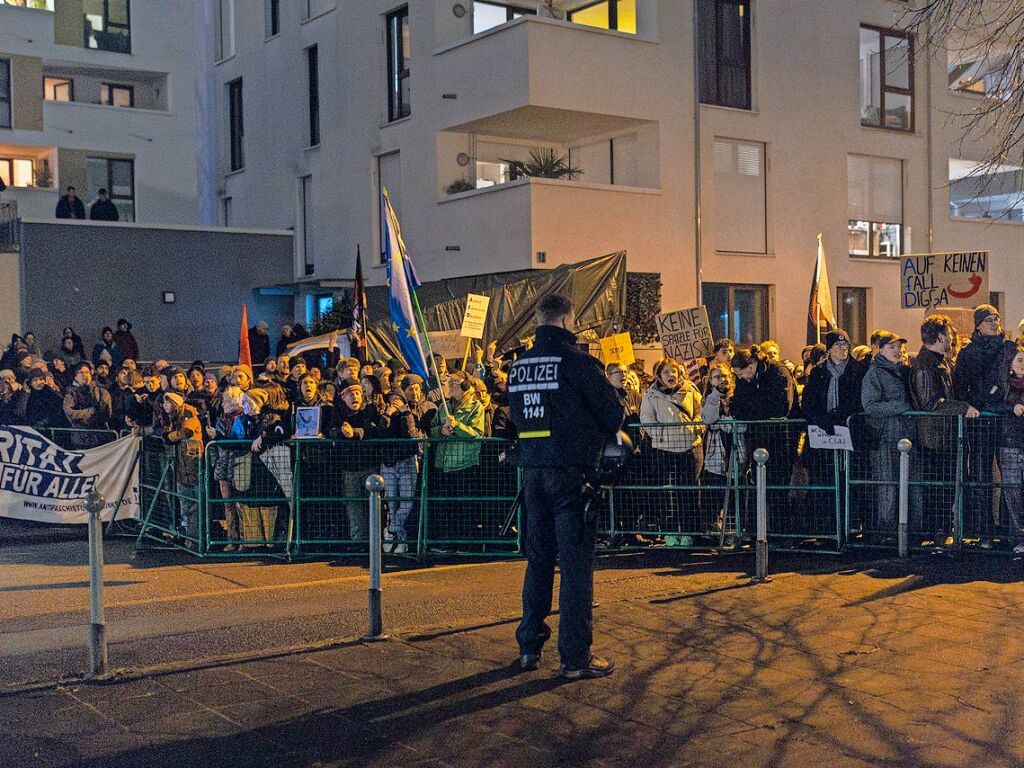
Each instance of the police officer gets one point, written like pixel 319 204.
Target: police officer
pixel 564 410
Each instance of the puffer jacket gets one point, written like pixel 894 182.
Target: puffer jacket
pixel 681 409
pixel 87 407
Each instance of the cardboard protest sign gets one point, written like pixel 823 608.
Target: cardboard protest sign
pixel 617 349
pixel 839 441
pixel 686 333
pixel 475 317
pixel 933 280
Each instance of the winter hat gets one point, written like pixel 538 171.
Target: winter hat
pixel 835 337
pixel 175 398
pixel 983 311
pixel 296 360
pixel 412 378
pixel 258 397
pixel 34 374
pixel 210 377
pixel 247 370
pixel 171 371
pixel 349 388
pixel 122 321
pixel 106 357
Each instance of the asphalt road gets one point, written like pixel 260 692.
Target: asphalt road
pixel 167 607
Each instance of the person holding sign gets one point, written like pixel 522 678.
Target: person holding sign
pixel 677 453
pixel 885 396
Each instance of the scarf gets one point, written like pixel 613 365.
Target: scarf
pixel 835 371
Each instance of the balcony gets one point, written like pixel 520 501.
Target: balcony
pixel 499 78
pixel 128 89
pixel 538 223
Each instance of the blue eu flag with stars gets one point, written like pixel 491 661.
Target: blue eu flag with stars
pixel 402 282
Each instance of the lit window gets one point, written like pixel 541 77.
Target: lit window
pixel 607 14
pixel 58 89
pixel 117 95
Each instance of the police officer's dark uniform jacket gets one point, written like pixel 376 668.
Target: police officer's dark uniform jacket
pixel 564 409
pixel 562 405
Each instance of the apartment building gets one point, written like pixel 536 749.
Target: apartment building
pixel 714 140
pixel 101 94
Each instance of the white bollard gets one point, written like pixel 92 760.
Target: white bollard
pixel 94 503
pixel 375 486
pixel 761 477
pixel 904 447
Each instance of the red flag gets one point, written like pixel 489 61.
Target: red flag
pixel 244 356
pixel 358 330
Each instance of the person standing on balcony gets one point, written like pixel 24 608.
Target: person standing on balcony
pixel 125 340
pixel 70 206
pixel 977 379
pixel 103 209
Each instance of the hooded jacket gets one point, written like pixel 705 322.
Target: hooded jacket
pixel 681 409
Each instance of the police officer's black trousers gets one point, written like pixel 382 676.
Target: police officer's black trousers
pixel 554 528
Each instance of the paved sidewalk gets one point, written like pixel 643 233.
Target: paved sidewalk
pixel 904 665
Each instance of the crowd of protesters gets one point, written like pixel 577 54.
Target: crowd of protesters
pixel 698 423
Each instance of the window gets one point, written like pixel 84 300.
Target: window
pixel 612 161
pixel 886 79
pixel 389 176
pixel 226 211
pixel 5 93
pixel 40 5
pixel 488 15
pixel 983 70
pixel 117 95
pixel 874 206
pixel 398 64
pixel 225 29
pixel 117 176
pixel 738 312
pixel 313 8
pixel 306 191
pixel 324 305
pixel 853 313
pixel 740 196
pixel 607 14
pixel 16 172
pixel 58 89
pixel 236 125
pixel 977 191
pixel 313 83
pixel 273 17
pixel 108 25
pixel 723 52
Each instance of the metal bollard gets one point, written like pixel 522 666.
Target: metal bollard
pixel 904 447
pixel 761 476
pixel 94 504
pixel 375 485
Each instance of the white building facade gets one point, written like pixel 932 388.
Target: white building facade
pixel 101 94
pixel 814 117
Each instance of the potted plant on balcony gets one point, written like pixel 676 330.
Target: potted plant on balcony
pixel 542 164
pixel 44 179
pixel 460 185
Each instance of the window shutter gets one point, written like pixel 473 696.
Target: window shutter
pixel 624 159
pixel 595 162
pixel 874 189
pixel 740 210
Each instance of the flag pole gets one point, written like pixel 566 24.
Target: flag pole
pixel 817 277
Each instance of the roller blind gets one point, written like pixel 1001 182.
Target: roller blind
pixel 874 189
pixel 740 211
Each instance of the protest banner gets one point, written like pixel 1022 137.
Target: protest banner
pixel 617 349
pixel 476 316
pixel 41 481
pixel 933 280
pixel 686 334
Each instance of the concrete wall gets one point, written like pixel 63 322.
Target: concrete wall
pixel 26 93
pixel 87 275
pixel 10 298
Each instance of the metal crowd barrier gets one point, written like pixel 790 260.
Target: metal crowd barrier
pixel 691 486
pixel 965 481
